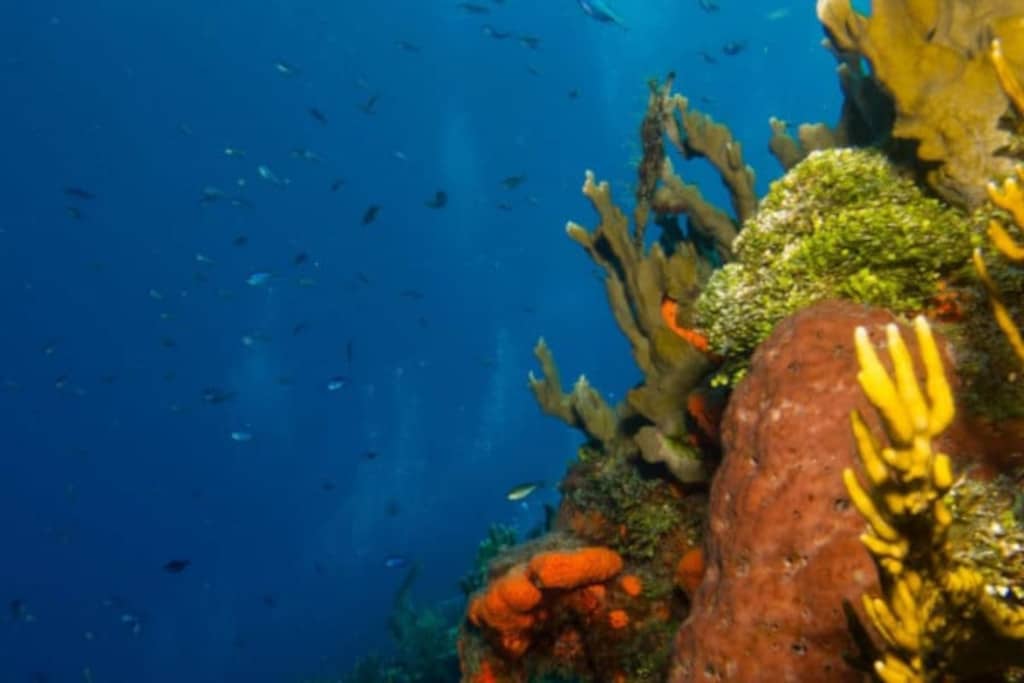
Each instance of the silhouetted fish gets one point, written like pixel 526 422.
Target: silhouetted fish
pixel 177 566
pixel 598 10
pixel 369 107
pixel 78 193
pixel 439 200
pixel 513 181
pixel 370 215
pixel 317 115
pixel 336 184
pixel 407 46
pixel 708 5
pixel 734 47
pixel 473 8
pixel 532 42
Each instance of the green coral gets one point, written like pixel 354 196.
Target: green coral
pixel 499 539
pixel 843 223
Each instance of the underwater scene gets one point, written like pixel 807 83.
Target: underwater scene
pixel 512 341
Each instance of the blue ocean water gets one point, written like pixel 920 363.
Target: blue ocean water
pixel 160 403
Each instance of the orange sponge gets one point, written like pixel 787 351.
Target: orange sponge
pixel 507 603
pixel 631 585
pixel 574 568
pixel 690 570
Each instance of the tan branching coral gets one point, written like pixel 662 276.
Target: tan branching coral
pixel 584 408
pixel 930 56
pixel 694 134
pixel 636 282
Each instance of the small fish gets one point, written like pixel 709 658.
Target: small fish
pixel 337 383
pixel 317 115
pixel 78 193
pixel 306 155
pixel 776 14
pixel 300 258
pixel 597 9
pixel 241 436
pixel 215 395
pixel 400 155
pixel 234 152
pixel 269 600
pixel 439 200
pixel 240 240
pixel 299 328
pixel 74 212
pixel 411 294
pixel 371 455
pixel 532 42
pixel 176 566
pixel 533 71
pixel 407 46
pixel 522 491
pixel 396 562
pixel 574 93
pixel 270 176
pixel 370 215
pixel 393 508
pixel 210 194
pixel 709 6
pixel 369 107
pixel 734 47
pixel 363 278
pixel 707 57
pixel 258 279
pixel 336 184
pixel 492 32
pixel 504 206
pixel 203 258
pixel 473 8
pixel 285 69
pixel 513 181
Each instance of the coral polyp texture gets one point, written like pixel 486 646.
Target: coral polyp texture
pixel 843 223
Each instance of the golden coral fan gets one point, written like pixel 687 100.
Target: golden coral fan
pixel 1010 198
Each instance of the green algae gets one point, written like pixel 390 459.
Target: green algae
pixel 843 223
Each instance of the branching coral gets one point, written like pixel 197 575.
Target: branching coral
pixel 583 409
pixel 1010 198
pixel 939 605
pixel 929 56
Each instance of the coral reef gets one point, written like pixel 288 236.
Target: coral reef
pixel 930 57
pixel 573 611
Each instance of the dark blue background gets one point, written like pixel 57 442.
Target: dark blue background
pixel 104 480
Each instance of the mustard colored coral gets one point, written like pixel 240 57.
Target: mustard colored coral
pixel 942 601
pixel 945 92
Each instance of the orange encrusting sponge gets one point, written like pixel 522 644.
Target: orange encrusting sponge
pixel 573 568
pixel 506 605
